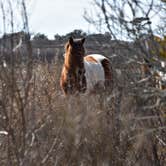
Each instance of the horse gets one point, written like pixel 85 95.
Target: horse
pixel 82 73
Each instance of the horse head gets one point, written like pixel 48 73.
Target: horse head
pixel 74 70
pixel 74 53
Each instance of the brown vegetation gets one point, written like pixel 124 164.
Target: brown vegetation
pixel 126 127
pixel 39 126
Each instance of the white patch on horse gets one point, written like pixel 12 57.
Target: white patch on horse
pixel 98 57
pixel 94 72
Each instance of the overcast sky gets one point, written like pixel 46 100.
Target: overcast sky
pixel 58 16
pixel 51 16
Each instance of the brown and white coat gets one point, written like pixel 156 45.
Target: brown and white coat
pixel 82 73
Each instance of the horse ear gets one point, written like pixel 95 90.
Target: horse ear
pixel 71 41
pixel 83 40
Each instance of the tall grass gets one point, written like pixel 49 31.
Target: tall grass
pixel 125 127
pixel 39 126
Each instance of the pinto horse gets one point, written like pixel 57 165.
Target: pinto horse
pixel 82 73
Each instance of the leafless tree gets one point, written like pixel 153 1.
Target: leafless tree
pixel 14 78
pixel 142 24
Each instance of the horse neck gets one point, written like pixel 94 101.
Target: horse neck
pixel 71 63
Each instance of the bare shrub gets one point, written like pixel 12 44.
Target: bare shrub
pixel 122 128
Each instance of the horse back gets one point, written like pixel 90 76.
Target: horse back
pixel 98 70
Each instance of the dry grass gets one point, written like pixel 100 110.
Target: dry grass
pixel 39 126
pixel 45 128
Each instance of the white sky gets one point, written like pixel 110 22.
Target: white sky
pixel 58 16
pixel 51 16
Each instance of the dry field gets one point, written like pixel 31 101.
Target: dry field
pixel 39 126
pixel 125 126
